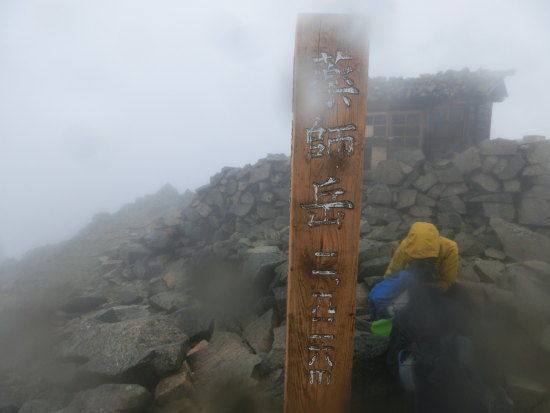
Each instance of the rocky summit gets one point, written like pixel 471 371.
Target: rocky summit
pixel 177 302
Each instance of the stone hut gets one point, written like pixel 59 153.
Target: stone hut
pixel 440 113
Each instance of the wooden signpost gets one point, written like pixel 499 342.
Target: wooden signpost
pixel 329 105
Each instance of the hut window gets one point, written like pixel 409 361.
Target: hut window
pixel 405 125
pixel 379 123
pixel 397 124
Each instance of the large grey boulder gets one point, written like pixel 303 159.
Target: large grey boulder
pixel 379 194
pixel 243 205
pixel 194 321
pixel 38 406
pixel 498 210
pixel 532 300
pixel 83 304
pixel 136 350
pixel 534 207
pixel 410 157
pixel 388 172
pixel 111 398
pixel 425 182
pixel 449 220
pixel 420 211
pixel 169 301
pixel 500 197
pixel 173 388
pixel 123 312
pixel 468 244
pixel 406 198
pixel 158 239
pixel 489 270
pixel 275 359
pixel 448 175
pixel 513 185
pixel 508 167
pixel 467 161
pixel 225 360
pixel 259 333
pixel 260 173
pixel 451 204
pixel 486 182
pixel 381 215
pixel 374 267
pixel 370 249
pixel 521 243
pixel 538 155
pixel 259 266
pixel 499 147
pixel 455 189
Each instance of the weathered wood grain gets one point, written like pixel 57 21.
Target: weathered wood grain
pixel 318 249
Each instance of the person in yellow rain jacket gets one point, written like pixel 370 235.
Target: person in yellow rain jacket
pixel 424 244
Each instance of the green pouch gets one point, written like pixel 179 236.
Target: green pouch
pixel 382 327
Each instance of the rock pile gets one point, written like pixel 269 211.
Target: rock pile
pixel 195 301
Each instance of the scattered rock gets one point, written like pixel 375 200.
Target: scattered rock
pixel 127 297
pixel 534 211
pixel 448 175
pixel 452 204
pixel 123 312
pixel 173 388
pixel 520 243
pixel 512 186
pixel 275 359
pixel 410 157
pixel 420 211
pixel 111 398
pixel 406 198
pixel 374 268
pixel 224 360
pixel 379 194
pixel 499 147
pixel 259 332
pixel 486 182
pixel 425 182
pixel 495 254
pixel 134 349
pixel 467 161
pixel 388 172
pixel 508 167
pixel 38 406
pixel 169 301
pixel 83 304
pixel 259 267
pixel 195 322
pixel 496 210
pixel 489 270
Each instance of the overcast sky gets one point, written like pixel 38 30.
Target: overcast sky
pixel 103 101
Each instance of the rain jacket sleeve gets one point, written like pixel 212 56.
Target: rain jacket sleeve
pixel 398 260
pixel 449 266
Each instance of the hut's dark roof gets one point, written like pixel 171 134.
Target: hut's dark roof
pixel 487 85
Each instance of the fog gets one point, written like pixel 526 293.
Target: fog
pixel 104 101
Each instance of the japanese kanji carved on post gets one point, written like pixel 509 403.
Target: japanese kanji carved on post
pixel 329 104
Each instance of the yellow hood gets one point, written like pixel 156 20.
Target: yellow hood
pixel 422 241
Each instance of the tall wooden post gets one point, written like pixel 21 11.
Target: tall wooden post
pixel 329 105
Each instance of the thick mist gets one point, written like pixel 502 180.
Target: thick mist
pixel 104 101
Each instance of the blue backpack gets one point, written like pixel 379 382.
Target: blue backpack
pixel 386 290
